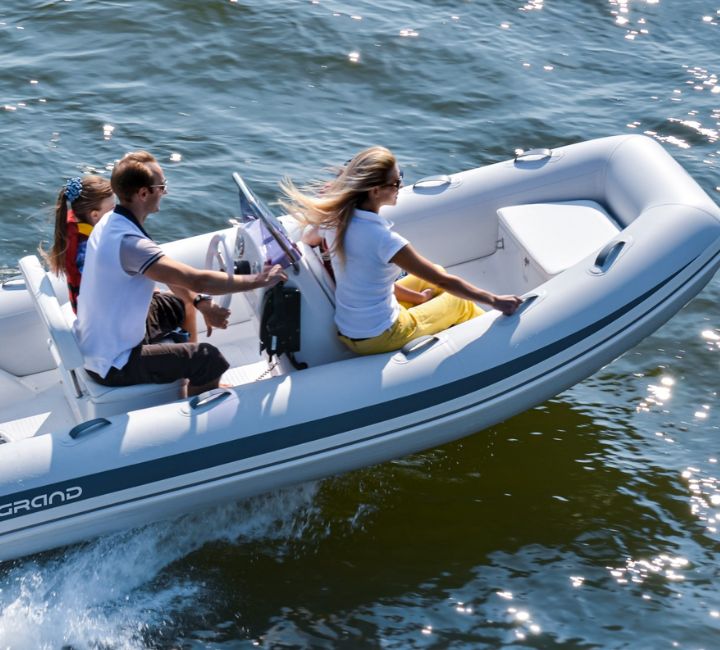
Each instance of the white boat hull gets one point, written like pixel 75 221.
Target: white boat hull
pixel 343 412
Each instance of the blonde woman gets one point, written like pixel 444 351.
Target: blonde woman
pixel 373 312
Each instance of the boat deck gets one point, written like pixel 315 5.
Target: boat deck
pixel 38 404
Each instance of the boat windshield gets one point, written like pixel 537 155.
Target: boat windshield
pixel 275 241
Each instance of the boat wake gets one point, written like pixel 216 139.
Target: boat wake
pixel 114 591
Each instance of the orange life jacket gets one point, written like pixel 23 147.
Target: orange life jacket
pixel 77 236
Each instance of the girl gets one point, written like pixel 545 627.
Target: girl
pixel 373 313
pixel 80 204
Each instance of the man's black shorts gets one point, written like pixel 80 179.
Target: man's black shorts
pixel 152 362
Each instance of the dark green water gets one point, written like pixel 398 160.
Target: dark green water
pixel 588 522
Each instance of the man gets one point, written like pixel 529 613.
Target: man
pixel 121 317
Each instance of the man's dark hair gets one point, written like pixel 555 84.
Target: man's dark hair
pixel 131 173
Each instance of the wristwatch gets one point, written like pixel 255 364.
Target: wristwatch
pixel 199 298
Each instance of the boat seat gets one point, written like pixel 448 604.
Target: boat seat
pixel 313 257
pixel 558 235
pixel 86 397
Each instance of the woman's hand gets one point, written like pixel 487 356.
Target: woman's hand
pixel 403 294
pixel 427 294
pixel 506 304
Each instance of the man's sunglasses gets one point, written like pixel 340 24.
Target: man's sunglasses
pixel 163 185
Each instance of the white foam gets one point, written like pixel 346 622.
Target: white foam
pixel 105 592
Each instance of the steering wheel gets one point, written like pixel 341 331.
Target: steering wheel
pixel 219 257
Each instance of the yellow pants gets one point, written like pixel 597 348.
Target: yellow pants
pixel 435 315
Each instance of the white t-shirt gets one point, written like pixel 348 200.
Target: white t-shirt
pixel 365 303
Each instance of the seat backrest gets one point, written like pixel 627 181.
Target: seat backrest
pixel 86 399
pixel 448 223
pixel 48 307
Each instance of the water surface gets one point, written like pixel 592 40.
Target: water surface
pixel 589 521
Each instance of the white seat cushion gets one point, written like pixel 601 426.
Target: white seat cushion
pixel 559 235
pixel 133 396
pixel 130 396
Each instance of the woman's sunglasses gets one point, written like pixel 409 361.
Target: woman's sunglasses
pixel 397 184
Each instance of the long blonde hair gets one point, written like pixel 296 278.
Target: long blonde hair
pixel 331 204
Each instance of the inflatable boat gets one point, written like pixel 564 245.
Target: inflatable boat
pixel 605 240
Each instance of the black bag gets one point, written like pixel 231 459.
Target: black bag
pixel 280 323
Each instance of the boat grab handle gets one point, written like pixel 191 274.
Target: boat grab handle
pixel 418 344
pixel 205 399
pixel 84 428
pixel 533 155
pixel 607 256
pixel 526 303
pixel 14 282
pixel 433 181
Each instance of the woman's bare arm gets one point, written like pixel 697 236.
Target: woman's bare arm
pixel 408 259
